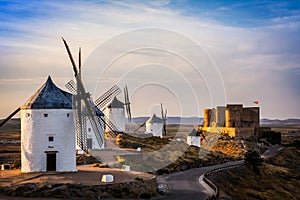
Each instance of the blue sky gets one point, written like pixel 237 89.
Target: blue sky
pixel 254 44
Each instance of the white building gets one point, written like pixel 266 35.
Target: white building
pixel 48 131
pixel 154 125
pixel 194 138
pixel 92 141
pixel 116 114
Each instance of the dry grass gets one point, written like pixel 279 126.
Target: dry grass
pixel 277 179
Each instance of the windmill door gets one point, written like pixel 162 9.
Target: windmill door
pixel 51 161
pixel 89 142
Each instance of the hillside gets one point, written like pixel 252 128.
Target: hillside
pixel 278 179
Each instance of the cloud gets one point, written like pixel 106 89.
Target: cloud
pixel 31 47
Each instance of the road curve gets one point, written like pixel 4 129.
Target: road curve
pixel 185 185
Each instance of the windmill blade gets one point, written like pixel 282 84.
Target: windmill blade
pixel 96 124
pixel 81 134
pixel 71 57
pixel 204 137
pixel 140 126
pixel 107 96
pixel 9 117
pixel 71 86
pixel 162 111
pixel 79 121
pixel 82 98
pixel 112 128
pixel 165 128
pixel 127 103
pixel 79 61
pixel 164 119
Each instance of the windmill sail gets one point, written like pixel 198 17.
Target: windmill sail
pixel 107 96
pixel 127 103
pixel 164 119
pixel 82 100
pixel 140 126
pixel 9 117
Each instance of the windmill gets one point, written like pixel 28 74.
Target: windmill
pixel 155 125
pixel 86 109
pixel 164 119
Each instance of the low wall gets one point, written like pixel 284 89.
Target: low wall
pixel 211 184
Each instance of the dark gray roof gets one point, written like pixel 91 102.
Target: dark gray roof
pixel 154 119
pixel 115 103
pixel 49 96
pixel 194 133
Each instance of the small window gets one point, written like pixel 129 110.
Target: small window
pixel 89 129
pixel 68 114
pixel 27 114
pixel 45 115
pixel 50 138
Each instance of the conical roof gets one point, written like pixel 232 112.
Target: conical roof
pixel 154 119
pixel 49 96
pixel 115 103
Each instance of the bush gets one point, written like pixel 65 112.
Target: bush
pixel 253 159
pixel 145 195
pixel 272 137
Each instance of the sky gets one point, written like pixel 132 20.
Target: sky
pixel 188 55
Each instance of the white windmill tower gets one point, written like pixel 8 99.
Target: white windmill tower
pixel 47 131
pixel 157 126
pixel 115 112
pixel 194 138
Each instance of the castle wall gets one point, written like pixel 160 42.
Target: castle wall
pixel 37 127
pixel 220 116
pixel 240 132
pixel 250 117
pixel 207 117
pixel 234 115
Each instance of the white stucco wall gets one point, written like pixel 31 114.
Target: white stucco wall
pixel 91 134
pixel 117 117
pixel 154 128
pixel 193 140
pixel 35 130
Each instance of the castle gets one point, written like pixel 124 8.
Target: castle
pixel 234 119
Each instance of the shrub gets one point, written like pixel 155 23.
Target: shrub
pixel 253 159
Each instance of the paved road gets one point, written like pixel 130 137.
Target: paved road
pixel 271 151
pixel 185 185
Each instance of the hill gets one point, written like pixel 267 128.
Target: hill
pixel 278 179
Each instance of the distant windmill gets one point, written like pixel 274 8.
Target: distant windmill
pixel 115 112
pixel 155 125
pixel 87 109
